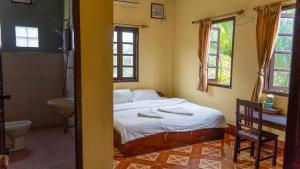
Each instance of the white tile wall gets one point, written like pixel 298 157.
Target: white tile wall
pixel 31 79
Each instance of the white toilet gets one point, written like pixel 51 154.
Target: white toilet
pixel 15 132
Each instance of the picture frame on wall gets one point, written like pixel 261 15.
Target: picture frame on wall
pixel 157 11
pixel 27 2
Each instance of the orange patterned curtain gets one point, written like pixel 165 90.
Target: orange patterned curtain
pixel 204 40
pixel 266 33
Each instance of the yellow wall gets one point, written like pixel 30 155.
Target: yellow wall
pixel 157 70
pixel 186 62
pixel 96 39
pixel 155 45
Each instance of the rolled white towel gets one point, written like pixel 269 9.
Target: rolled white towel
pixel 175 110
pixel 149 114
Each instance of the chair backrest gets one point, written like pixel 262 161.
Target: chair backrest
pixel 248 113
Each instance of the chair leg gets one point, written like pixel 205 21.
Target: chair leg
pixel 275 152
pixel 252 149
pixel 236 148
pixel 257 160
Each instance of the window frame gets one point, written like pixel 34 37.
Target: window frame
pixel 135 66
pixel 217 55
pixel 269 75
pixel 27 37
pixel 209 81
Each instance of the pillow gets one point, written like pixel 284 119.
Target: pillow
pixel 145 94
pixel 122 96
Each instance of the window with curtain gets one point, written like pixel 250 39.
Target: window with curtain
pixel 278 75
pixel 221 53
pixel 125 54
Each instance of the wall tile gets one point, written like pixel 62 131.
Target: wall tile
pixel 24 112
pixel 21 72
pixel 22 85
pixel 21 59
pixel 57 60
pixel 45 59
pixel 8 59
pixel 34 97
pixel 35 86
pixel 9 72
pixel 9 85
pixel 46 71
pixel 32 79
pixel 34 59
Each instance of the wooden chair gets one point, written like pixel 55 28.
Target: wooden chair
pixel 245 131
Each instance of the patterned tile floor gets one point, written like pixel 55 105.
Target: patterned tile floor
pixel 208 155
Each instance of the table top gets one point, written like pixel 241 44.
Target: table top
pixel 272 121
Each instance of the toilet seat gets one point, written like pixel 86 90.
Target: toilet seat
pixel 16 125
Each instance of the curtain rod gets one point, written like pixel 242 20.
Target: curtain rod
pixel 128 2
pixel 283 2
pixel 133 25
pixel 240 12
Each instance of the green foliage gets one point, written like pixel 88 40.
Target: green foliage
pixel 226 37
pixel 286 25
pixel 281 78
pixel 224 73
pixel 282 61
pixel 224 62
pixel 284 43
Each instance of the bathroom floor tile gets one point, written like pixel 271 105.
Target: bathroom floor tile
pixel 47 148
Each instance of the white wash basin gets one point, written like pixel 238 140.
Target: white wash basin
pixel 64 106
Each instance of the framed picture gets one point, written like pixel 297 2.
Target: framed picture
pixel 157 11
pixel 28 2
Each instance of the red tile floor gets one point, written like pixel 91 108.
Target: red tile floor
pixel 47 148
pixel 208 155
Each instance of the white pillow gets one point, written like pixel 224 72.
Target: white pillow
pixel 145 94
pixel 122 96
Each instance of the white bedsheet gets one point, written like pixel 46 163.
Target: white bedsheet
pixel 132 127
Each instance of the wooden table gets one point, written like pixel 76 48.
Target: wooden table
pixel 272 121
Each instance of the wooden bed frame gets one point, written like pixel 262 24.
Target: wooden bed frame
pixel 164 141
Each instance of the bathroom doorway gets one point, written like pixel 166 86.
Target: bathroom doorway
pixel 39 124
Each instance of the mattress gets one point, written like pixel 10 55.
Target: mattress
pixel 132 127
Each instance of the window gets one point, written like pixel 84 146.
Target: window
pixel 221 52
pixel 125 54
pixel 278 75
pixel 27 37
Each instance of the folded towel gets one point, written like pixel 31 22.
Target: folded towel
pixel 175 110
pixel 149 114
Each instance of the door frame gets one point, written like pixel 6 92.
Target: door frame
pixel 292 141
pixel 77 79
pixel 2 117
pixel 77 73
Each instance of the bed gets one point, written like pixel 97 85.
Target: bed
pixel 134 135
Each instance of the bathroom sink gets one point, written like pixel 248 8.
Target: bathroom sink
pixel 65 106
